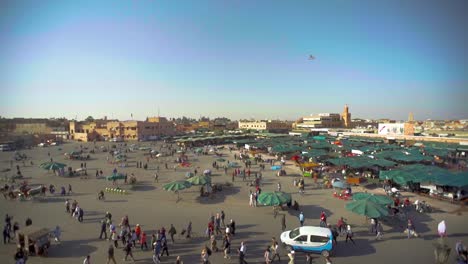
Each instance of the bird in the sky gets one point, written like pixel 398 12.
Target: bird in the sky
pixel 311 57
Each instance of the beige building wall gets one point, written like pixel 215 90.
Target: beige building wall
pixel 33 128
pixel 127 130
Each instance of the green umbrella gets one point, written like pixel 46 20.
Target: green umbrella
pixel 367 208
pixel 274 198
pixel 52 165
pixel 176 186
pixel 199 150
pixel 120 156
pixel 378 199
pixel 200 180
pixel 221 160
pixel 118 176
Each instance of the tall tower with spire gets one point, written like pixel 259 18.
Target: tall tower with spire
pixel 410 117
pixel 346 117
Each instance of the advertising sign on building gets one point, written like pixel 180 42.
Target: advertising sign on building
pixel 392 129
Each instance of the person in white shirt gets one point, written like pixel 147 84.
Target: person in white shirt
pixel 242 251
pixel 87 260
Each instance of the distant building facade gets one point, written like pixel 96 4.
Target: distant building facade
pixel 273 126
pixel 325 120
pixel 151 128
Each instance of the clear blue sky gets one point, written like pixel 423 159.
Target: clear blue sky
pixel 239 59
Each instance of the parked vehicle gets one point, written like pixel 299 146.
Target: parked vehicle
pixel 422 207
pixel 34 240
pixel 309 239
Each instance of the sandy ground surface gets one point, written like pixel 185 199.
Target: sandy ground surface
pixel 152 208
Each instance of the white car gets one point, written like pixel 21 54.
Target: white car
pixel 309 239
pixel 42 145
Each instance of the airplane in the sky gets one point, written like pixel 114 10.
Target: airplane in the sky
pixel 311 57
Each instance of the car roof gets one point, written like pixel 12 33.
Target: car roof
pixel 316 230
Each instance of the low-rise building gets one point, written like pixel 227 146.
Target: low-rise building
pixel 323 120
pixel 274 126
pixel 150 129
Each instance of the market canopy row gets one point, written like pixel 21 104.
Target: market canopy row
pixel 425 174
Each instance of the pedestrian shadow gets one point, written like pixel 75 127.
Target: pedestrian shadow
pixel 115 201
pixel 49 200
pixel 218 197
pixel 348 249
pixel 435 236
pixel 310 212
pixel 244 226
pixel 72 249
pixel 143 187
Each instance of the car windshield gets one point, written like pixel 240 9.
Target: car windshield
pixel 294 233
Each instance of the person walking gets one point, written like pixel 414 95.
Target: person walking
pixel 143 243
pixel 335 233
pixel 323 219
pixel 266 256
pixel 103 229
pixel 292 256
pixel 410 228
pixel 349 234
pixel 301 218
pixel 157 252
pixel 218 224
pixel 379 230
pixel 242 250
pixel 189 230
pixel 6 235
pixel 275 250
pixel 214 244
pixel 115 238
pixel 283 223
pixel 110 254
pixel 172 231
pixel 156 177
pixel 57 234
pixel 279 187
pixel 205 256
pixel 87 260
pixel 309 258
pixel 67 205
pixel 227 246
pixel 165 248
pixel 223 216
pixel 128 251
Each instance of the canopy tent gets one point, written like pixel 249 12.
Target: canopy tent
pixel 177 186
pixel 375 198
pixel 318 145
pixel 319 138
pixel 361 162
pixel 52 165
pixel 409 155
pixel 425 174
pixel 200 180
pixel 367 208
pixel 274 198
pixel 282 149
pixel 117 176
pixel 313 153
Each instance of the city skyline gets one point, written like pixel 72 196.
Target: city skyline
pixel 233 59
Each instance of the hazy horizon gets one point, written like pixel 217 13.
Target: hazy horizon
pixel 233 59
